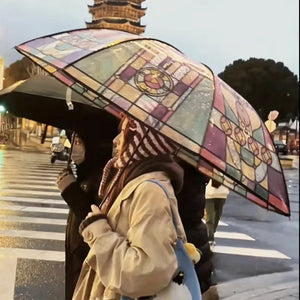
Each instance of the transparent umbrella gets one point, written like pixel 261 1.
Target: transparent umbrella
pixel 215 128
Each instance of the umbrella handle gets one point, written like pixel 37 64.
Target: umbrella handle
pixel 71 149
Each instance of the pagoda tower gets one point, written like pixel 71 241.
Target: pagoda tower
pixel 117 14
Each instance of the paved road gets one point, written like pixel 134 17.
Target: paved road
pixel 32 225
pixel 275 244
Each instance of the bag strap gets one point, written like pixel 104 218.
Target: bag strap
pixel 167 194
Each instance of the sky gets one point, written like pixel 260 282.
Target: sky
pixel 213 32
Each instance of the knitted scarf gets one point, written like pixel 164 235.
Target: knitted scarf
pixel 140 142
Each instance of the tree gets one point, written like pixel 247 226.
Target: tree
pixel 21 70
pixel 266 85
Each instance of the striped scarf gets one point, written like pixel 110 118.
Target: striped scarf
pixel 140 142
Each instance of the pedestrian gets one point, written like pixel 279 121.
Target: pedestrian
pixel 191 205
pixel 90 153
pixel 216 195
pixel 132 235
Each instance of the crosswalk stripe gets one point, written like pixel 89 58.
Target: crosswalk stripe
pixel 33 234
pixel 24 169
pixel 222 224
pixel 233 235
pixel 8 267
pixel 219 224
pixel 27 181
pixel 30 192
pixel 20 219
pixel 18 177
pixel 33 254
pixel 31 166
pixel 250 252
pixel 35 186
pixel 32 200
pixel 34 209
pixel 27 172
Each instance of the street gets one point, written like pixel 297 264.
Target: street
pixel 250 240
pixel 270 242
pixel 32 227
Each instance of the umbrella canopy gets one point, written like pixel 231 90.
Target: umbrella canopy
pixel 215 128
pixel 45 99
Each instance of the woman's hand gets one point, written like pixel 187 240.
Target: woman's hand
pixel 95 215
pixel 95 211
pixel 64 179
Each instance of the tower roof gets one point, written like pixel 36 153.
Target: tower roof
pixel 136 2
pixel 117 24
pixel 122 15
pixel 127 11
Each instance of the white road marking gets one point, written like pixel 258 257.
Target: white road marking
pixel 250 252
pixel 32 254
pixel 233 235
pixel 8 267
pixel 18 177
pixel 21 170
pixel 6 173
pixel 30 192
pixel 220 223
pixel 18 219
pixel 34 209
pixel 32 200
pixel 30 166
pixel 44 235
pixel 23 180
pixel 11 186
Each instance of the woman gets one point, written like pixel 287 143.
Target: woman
pixel 90 153
pixel 131 237
pixel 216 195
pixel 191 205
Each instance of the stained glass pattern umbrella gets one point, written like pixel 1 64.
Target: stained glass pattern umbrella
pixel 215 128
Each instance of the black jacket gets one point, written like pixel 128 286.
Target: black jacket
pixel 79 195
pixel 191 204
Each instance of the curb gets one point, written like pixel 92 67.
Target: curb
pixel 261 285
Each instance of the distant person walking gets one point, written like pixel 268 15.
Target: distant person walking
pixel 215 195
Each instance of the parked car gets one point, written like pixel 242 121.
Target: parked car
pixel 281 147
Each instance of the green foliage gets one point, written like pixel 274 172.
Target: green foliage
pixel 266 85
pixel 16 71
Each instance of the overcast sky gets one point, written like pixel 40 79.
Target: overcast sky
pixel 214 32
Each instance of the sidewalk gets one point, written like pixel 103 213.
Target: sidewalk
pixel 289 161
pixel 276 286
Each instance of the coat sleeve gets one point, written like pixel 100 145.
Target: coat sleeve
pixel 143 262
pixel 78 200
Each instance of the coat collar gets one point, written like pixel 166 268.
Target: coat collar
pixel 129 189
pixel 132 185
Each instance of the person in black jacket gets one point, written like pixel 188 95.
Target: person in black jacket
pixel 90 154
pixel 191 205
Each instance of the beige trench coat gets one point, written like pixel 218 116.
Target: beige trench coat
pixel 132 253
